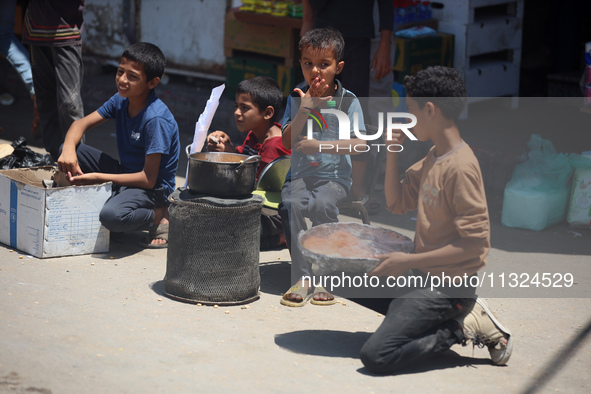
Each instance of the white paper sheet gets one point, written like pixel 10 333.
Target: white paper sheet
pixel 202 125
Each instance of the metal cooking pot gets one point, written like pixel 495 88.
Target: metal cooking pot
pixel 221 174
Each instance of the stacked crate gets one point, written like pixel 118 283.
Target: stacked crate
pixel 487 43
pixel 257 45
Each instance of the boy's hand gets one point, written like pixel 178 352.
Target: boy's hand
pixel 313 97
pixel 393 264
pixel 68 163
pixel 218 141
pixel 381 62
pixel 398 137
pixel 307 146
pixel 92 178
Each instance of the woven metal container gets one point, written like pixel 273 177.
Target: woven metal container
pixel 213 249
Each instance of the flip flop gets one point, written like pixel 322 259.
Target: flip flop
pixel 296 289
pixel 321 289
pixel 159 231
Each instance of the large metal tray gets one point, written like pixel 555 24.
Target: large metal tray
pixel 345 257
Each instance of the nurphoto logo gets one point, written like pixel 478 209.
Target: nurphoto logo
pixel 392 120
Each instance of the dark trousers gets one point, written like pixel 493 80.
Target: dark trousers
pixel 416 326
pixel 129 208
pixel 57 77
pixel 355 74
pixel 315 199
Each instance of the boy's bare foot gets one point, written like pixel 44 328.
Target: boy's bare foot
pixel 160 241
pixel 158 234
pixel 298 295
pixel 322 297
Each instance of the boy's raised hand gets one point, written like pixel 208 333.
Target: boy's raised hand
pixel 218 141
pixel 313 97
pixel 398 137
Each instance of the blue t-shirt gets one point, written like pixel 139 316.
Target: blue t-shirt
pixel 335 167
pixel 153 130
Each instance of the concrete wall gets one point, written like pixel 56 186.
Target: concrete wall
pixel 189 32
pixel 103 33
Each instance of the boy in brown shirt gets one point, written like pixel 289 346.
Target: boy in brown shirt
pixel 452 237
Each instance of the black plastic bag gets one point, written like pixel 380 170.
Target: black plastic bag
pixel 24 157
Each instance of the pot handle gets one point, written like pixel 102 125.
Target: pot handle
pixel 250 159
pixel 188 151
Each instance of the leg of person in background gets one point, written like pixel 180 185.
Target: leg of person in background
pixel 359 171
pixel 272 236
pixel 15 52
pixel 380 90
pixel 355 74
pixel 357 64
pixel 57 74
pixel 69 73
pixel 45 90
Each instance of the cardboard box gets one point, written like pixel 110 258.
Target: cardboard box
pixel 51 222
pixel 240 68
pixel 417 53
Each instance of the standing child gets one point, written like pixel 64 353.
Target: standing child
pixel 148 145
pixel 258 101
pixel 320 177
pixel 452 237
pixel 53 31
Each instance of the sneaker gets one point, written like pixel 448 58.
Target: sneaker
pixel 483 329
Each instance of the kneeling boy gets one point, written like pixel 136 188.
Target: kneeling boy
pixel 148 145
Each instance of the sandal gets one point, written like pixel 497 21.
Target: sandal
pixel 296 289
pixel 159 231
pixel 321 289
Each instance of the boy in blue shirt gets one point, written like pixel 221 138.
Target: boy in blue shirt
pixel 148 145
pixel 320 175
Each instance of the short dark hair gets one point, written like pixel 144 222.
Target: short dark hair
pixel 149 56
pixel 324 38
pixel 263 92
pixel 443 86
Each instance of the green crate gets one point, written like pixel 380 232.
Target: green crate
pixel 417 53
pixel 241 68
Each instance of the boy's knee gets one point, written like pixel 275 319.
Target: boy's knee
pixel 288 205
pixel 374 358
pixel 324 210
pixel 110 219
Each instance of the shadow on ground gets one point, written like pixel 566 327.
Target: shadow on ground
pixel 332 343
pixel 124 245
pixel 326 343
pixel 275 277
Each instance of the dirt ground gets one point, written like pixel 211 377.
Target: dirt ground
pixel 102 323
